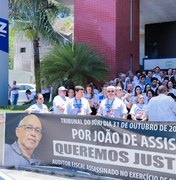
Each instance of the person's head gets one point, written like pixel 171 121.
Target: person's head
pixel 123 77
pixel 143 79
pixel 104 89
pixel 174 71
pixel 111 83
pixel 157 69
pixel 150 93
pixel 169 85
pixel 144 73
pixel 39 98
pixel 138 73
pixel 165 81
pixel 140 99
pixel 111 92
pixel 131 77
pixel 79 91
pixel 154 82
pixel 150 74
pixel 169 72
pixel 71 93
pixel 14 82
pixel 147 87
pixel 120 83
pixel 162 89
pixel 62 91
pixel 130 87
pixel 162 74
pixel 28 91
pixel 119 92
pixel 29 133
pixel 137 90
pixel 89 89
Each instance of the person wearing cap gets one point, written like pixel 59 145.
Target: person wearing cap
pixel 112 106
pixel 60 101
pixel 78 105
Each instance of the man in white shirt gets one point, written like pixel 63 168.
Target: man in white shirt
pixel 38 107
pixel 78 105
pixel 112 106
pixel 161 107
pixel 60 101
pixel 15 94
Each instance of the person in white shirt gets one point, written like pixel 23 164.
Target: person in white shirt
pixel 14 93
pixel 60 101
pixel 161 107
pixel 30 97
pixel 112 106
pixel 138 109
pixel 78 105
pixel 71 93
pixel 38 107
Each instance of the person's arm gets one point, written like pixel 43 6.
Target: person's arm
pixel 28 110
pixel 132 112
pixel 133 117
pixel 124 116
pixel 100 110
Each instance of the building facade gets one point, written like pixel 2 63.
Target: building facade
pixel 112 26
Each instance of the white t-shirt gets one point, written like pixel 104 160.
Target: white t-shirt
pixel 161 108
pixel 138 110
pixel 38 108
pixel 60 101
pixel 112 108
pixel 80 107
pixel 15 91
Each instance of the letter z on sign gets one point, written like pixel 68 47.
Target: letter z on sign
pixel 4 35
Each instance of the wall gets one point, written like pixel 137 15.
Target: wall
pixel 105 24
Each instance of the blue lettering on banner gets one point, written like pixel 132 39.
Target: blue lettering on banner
pixel 3 35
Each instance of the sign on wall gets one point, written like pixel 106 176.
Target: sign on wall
pixel 4 53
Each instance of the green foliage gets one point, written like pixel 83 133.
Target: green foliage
pixel 11 47
pixel 33 19
pixel 78 64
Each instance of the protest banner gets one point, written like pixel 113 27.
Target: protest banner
pixel 104 146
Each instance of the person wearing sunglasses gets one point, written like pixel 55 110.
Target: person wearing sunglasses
pixel 29 134
pixel 39 106
pixel 112 106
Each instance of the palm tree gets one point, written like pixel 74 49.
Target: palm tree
pixel 73 64
pixel 31 17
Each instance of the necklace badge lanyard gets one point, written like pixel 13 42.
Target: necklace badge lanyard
pixel 78 105
pixel 109 105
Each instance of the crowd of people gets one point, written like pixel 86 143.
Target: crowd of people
pixel 142 96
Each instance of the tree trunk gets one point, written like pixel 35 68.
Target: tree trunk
pixel 37 64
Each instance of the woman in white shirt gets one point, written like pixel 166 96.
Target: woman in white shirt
pixel 138 109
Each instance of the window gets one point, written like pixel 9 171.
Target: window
pixel 23 50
